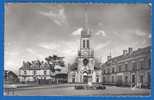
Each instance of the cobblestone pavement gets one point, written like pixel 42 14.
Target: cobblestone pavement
pixel 70 91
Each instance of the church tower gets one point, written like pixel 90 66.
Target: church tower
pixel 85 50
pixel 85 61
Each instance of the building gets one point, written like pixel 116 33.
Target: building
pixel 10 77
pixel 132 68
pixel 43 72
pixel 34 72
pixel 85 69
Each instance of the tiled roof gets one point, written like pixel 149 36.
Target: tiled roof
pixel 35 66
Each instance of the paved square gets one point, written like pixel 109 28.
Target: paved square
pixel 70 91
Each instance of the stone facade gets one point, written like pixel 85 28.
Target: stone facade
pixel 133 68
pixel 85 71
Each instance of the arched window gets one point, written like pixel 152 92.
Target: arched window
pixel 83 43
pixel 87 43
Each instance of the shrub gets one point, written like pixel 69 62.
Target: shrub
pixel 102 87
pixel 79 87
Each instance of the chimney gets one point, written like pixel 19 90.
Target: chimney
pixel 108 57
pixel 124 52
pixel 130 50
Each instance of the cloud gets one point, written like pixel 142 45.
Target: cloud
pixel 12 60
pixel 102 45
pixel 77 32
pixel 49 46
pixel 140 33
pixel 29 50
pixel 33 54
pixel 100 24
pixel 101 33
pixel 58 17
pixel 13 53
pixel 68 49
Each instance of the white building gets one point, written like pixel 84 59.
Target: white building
pixel 40 72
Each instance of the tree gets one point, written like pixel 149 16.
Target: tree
pixel 74 66
pixel 49 59
pixel 97 65
pixel 55 60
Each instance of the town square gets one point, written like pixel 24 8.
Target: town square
pixel 77 50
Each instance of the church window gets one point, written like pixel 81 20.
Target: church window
pixel 87 43
pixel 83 43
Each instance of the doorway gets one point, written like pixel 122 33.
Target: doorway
pixel 119 81
pixel 133 80
pixel 85 79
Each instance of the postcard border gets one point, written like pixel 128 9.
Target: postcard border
pixel 2 2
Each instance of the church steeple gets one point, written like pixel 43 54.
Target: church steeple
pixel 85 31
pixel 85 19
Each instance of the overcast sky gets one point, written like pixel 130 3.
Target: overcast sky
pixel 35 31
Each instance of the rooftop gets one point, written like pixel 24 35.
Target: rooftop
pixel 137 52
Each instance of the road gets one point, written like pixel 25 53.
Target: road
pixel 70 91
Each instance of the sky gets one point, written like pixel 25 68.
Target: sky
pixel 35 31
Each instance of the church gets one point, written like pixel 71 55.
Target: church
pixel 86 70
